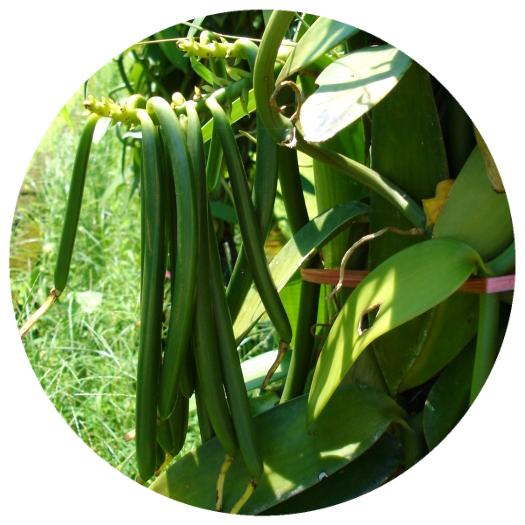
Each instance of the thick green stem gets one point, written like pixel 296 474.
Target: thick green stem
pixel 280 127
pixel 263 195
pixel 292 193
pixel 486 343
pixel 370 178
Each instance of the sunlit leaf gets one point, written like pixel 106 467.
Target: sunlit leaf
pixel 474 213
pixel 201 70
pixel 404 286
pixel 65 114
pixel 196 22
pixel 350 87
pixel 102 126
pixel 322 36
pixel 293 458
pixel 408 149
pixel 364 474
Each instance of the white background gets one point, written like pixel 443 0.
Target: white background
pixel 50 48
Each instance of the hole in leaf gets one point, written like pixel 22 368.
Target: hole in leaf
pixel 360 329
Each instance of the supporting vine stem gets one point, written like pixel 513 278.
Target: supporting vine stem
pixel 283 129
pixel 486 343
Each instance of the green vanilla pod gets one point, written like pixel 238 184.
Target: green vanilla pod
pixel 231 366
pixel 149 355
pixel 164 436
pixel 183 297
pixel 205 426
pixel 74 203
pixel 205 341
pixel 249 228
pixel 178 423
pixel 292 194
pixel 263 196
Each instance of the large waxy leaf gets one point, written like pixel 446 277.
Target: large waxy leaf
pixel 406 285
pixel 408 149
pixel 295 253
pixel 474 213
pixel 364 474
pixel 454 323
pixel 458 134
pixel 293 458
pixel 448 400
pixel 350 87
pixel 322 36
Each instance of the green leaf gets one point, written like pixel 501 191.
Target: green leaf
pixel 196 22
pixel 408 149
pixel 267 13
pixel 290 296
pixel 201 70
pixel 65 114
pixel 116 184
pixel 459 135
pixel 349 88
pixel 295 253
pixel 264 402
pixel 332 188
pixel 293 458
pixel 88 301
pixel 237 113
pixel 364 474
pixel 224 211
pixel 322 36
pixel 101 128
pixel 474 213
pixel 448 401
pixel 254 370
pixel 454 323
pixel 170 49
pixel 136 135
pixel 404 286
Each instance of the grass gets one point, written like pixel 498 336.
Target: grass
pixel 83 351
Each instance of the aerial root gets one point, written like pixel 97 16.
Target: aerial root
pixel 280 354
pixel 48 303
